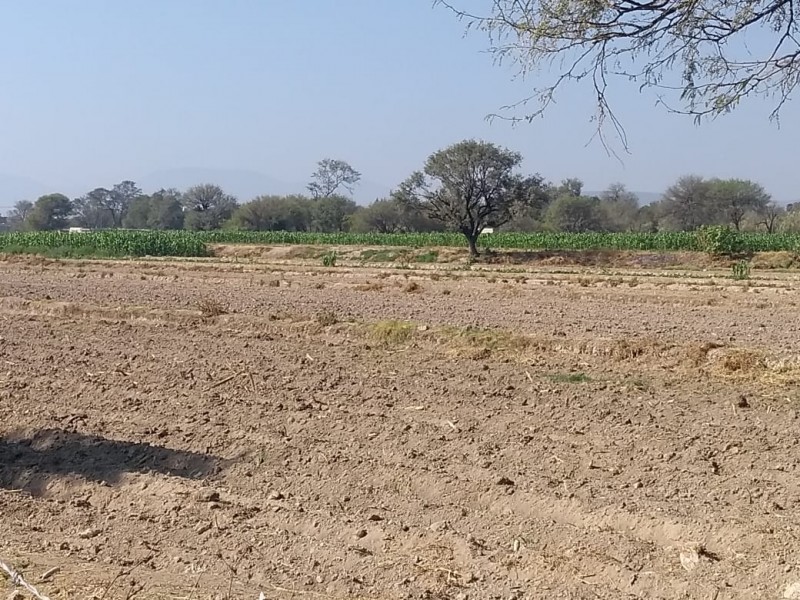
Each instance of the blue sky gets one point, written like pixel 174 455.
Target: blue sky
pixel 96 91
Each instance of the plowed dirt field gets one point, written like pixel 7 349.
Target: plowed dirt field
pixel 216 429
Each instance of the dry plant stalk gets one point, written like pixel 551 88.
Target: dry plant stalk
pixel 17 580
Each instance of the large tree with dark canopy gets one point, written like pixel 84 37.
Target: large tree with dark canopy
pixel 468 187
pixel 702 56
pixel 207 206
pixel 49 213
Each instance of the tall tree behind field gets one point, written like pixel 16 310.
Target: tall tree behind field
pixel 332 213
pixel 91 210
pixel 575 214
pixel 103 208
pixel 162 210
pixel 274 213
pixel 769 216
pixel 18 215
pixel 206 207
pixel 332 175
pixel 387 215
pixel 686 205
pixel 620 208
pixel 49 213
pixel 468 186
pixel 733 199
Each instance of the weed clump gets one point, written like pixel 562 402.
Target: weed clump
pixel 329 259
pixel 210 307
pixel 391 332
pixel 326 318
pixel 569 378
pixel 370 286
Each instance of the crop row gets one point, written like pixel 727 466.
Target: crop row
pixel 105 243
pixel 185 243
pixel 714 240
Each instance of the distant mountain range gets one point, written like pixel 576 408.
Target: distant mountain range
pixel 243 184
pixel 13 189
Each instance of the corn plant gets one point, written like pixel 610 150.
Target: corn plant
pixel 329 259
pixel 741 270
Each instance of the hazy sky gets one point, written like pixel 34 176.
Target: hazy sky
pixel 96 91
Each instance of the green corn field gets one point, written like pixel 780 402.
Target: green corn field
pixel 718 240
pixel 121 243
pixel 108 243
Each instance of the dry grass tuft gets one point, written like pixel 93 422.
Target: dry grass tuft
pixel 369 286
pixel 210 307
pixel 326 318
pixel 630 349
pixel 412 287
pixel 391 332
pixel 774 260
pixel 698 354
pixel 742 360
pixel 484 340
pixel 305 252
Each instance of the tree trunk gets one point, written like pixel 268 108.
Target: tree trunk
pixel 473 244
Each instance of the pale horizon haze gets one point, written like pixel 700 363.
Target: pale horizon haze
pixel 255 92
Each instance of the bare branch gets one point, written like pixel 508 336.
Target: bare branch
pixel 693 53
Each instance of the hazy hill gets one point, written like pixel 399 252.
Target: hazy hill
pixel 14 189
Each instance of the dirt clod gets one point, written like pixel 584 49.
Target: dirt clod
pixel 90 533
pixel 208 495
pixel 202 528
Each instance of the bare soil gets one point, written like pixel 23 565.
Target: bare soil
pixel 221 429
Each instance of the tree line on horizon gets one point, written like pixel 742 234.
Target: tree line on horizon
pixel 466 188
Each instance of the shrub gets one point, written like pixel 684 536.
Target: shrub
pixel 209 307
pixel 329 259
pixel 741 270
pixel 718 240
